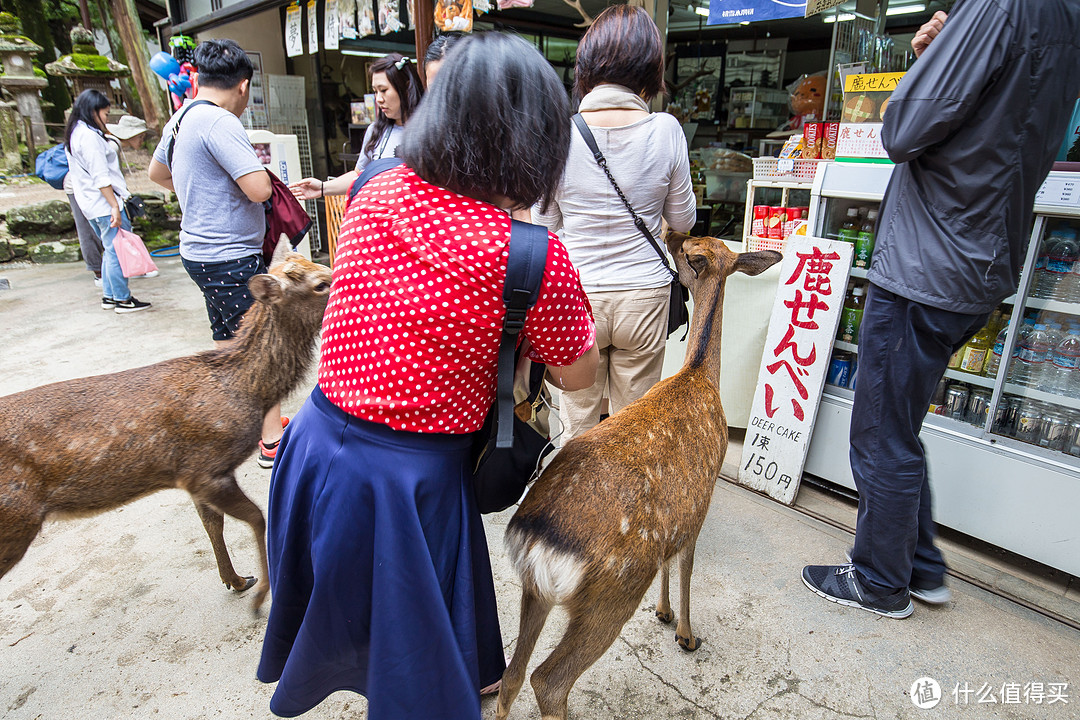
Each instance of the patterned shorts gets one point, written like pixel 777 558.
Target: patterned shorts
pixel 224 287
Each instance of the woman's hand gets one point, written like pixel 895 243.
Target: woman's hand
pixel 114 217
pixel 307 189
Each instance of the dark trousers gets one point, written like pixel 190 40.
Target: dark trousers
pixel 904 347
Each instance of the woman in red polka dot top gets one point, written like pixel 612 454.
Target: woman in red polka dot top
pixel 379 566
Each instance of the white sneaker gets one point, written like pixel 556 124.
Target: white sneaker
pixel 97 282
pixel 151 274
pixel 934 596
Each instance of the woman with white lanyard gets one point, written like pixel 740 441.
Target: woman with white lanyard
pixel 397 93
pixel 99 188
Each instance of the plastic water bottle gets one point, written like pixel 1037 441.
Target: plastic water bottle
pixel 994 361
pixel 1059 264
pixel 1030 363
pixel 1063 363
pixel 1038 277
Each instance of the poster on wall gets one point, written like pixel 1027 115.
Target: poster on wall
pixel 330 25
pixel 866 100
pixel 365 14
pixel 312 28
pixel 798 350
pixel 726 12
pixel 347 19
pixel 294 38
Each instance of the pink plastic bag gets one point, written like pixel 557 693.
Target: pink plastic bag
pixel 134 257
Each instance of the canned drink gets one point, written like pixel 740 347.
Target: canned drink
pixel 978 407
pixel 761 219
pixel 1052 435
pixel 839 369
pixel 1028 422
pixel 1072 437
pixel 1005 415
pixel 775 225
pixel 956 399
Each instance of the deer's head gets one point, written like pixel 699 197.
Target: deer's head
pixel 706 260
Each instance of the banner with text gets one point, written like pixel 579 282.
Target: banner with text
pixel 798 347
pixel 725 12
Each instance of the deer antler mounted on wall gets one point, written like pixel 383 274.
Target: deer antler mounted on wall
pixel 586 18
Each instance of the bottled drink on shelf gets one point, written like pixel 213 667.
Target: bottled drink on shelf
pixel 1030 363
pixel 973 355
pixel 1057 255
pixel 937 402
pixel 851 315
pixel 849 230
pixel 864 241
pixel 1062 371
pixel 993 360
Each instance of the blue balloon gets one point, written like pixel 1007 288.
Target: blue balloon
pixel 164 65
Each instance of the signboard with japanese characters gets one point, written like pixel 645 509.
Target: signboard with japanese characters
pixel 294 38
pixel 866 100
pixel 312 28
pixel 798 346
pixel 331 33
pixel 726 12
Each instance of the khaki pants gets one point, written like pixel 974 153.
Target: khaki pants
pixel 631 334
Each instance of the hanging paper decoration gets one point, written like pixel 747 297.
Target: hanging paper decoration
pixel 365 12
pixel 453 15
pixel 331 26
pixel 410 5
pixel 294 39
pixel 482 6
pixel 389 16
pixel 312 28
pixel 347 19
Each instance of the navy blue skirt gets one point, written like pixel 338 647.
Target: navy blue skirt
pixel 379 571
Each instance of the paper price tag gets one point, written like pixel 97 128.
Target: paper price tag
pixel 1059 191
pixel 785 165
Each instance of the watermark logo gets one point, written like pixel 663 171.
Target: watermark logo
pixel 925 693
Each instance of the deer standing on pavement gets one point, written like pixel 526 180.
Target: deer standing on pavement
pixel 84 446
pixel 619 501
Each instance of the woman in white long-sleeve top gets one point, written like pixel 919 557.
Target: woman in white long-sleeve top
pixel 620 67
pixel 100 190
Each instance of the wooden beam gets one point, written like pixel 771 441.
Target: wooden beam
pixel 424 17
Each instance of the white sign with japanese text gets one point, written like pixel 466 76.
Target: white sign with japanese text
pixel 294 38
pixel 332 31
pixel 312 28
pixel 798 347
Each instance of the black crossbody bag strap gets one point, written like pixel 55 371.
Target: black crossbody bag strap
pixel 176 127
pixel 527 257
pixel 587 135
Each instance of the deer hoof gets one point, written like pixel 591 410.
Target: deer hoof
pixel 688 644
pixel 249 582
pixel 665 617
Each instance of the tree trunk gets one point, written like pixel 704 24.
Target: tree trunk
pixel 127 85
pixel 153 100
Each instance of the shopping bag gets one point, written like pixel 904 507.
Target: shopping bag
pixel 134 257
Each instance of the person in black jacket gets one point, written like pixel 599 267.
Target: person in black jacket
pixel 973 127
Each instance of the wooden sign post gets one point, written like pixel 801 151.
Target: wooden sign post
pixel 798 347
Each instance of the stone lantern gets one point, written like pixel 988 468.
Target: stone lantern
pixel 85 69
pixel 18 78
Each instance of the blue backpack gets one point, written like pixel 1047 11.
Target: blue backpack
pixel 52 166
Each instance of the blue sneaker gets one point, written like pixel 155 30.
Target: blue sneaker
pixel 839 584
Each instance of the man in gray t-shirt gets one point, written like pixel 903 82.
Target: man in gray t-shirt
pixel 221 186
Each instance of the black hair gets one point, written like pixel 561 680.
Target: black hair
pixel 222 64
pixel 438 48
pixel 499 128
pixel 401 73
pixel 623 47
pixel 85 108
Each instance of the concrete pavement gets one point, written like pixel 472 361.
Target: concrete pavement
pixel 122 615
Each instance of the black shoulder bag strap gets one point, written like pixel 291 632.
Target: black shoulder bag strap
pixel 586 133
pixel 372 169
pixel 176 127
pixel 524 273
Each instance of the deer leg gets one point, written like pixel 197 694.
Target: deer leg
pixel 214 524
pixel 534 613
pixel 590 633
pixel 683 635
pixel 663 603
pixel 17 531
pixel 225 496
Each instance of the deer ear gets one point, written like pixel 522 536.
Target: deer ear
pixel 755 263
pixel 266 289
pixel 283 248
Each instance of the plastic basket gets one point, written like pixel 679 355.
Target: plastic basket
pixel 755 243
pixel 768 168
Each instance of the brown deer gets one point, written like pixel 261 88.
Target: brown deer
pixel 619 501
pixel 85 446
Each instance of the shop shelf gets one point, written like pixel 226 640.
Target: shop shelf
pixel 1041 396
pixel 850 347
pixel 970 378
pixel 770 168
pixel 1069 308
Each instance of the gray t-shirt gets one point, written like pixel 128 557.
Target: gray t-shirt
pixel 212 150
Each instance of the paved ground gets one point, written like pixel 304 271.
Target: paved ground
pixel 122 615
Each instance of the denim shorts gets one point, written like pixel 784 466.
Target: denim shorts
pixel 224 286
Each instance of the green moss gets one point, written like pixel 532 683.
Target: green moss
pixel 97 63
pixel 9 23
pixel 38 72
